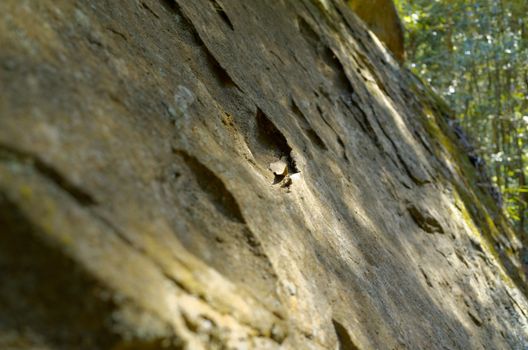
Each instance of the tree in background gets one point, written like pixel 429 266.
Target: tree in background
pixel 475 54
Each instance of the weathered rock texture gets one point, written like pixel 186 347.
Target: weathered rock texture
pixel 138 209
pixel 382 18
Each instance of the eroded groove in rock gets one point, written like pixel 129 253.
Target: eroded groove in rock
pixel 343 338
pixel 338 75
pixel 327 60
pixel 8 153
pixel 212 68
pixel 208 222
pixel 343 147
pixel 273 141
pixel 221 12
pixel 374 73
pixel 324 116
pixel 316 140
pixel 310 132
pixel 308 33
pixel 425 220
pixel 184 24
pixel 410 169
pixel 475 318
pixel 200 237
pixel 149 9
pixel 363 120
pixel 213 186
pixel 221 75
pixel 169 4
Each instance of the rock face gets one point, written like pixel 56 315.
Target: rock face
pixel 221 174
pixel 382 18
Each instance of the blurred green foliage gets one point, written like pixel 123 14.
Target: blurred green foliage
pixel 475 54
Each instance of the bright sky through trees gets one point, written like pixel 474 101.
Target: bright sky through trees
pixel 475 53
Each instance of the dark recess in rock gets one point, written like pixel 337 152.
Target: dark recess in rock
pixel 44 292
pixel 424 220
pixel 218 71
pixel 337 75
pixel 80 195
pixel 310 132
pixel 343 147
pixel 214 68
pixel 475 318
pixel 327 61
pixel 272 139
pixel 215 189
pixel 148 9
pixel 307 32
pixel 343 338
pixel 221 12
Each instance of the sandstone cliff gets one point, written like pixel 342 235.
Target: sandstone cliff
pixel 381 16
pixel 138 209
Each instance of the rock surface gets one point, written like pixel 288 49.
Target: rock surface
pixel 381 16
pixel 138 209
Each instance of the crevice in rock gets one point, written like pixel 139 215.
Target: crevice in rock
pixel 343 338
pixel 373 72
pixel 117 33
pixel 323 115
pixel 342 144
pixel 185 26
pixel 149 10
pixel 410 173
pixel 223 15
pixel 310 132
pixel 316 140
pixel 276 55
pixel 218 71
pixel 366 126
pixel 423 142
pixel 424 220
pixel 299 114
pixel 214 68
pixel 8 153
pixel 360 36
pixel 426 277
pixel 307 32
pixel 361 117
pixel 338 74
pixel 214 187
pixel 272 139
pixel 170 4
pixel 253 243
pixel 327 61
pixel 344 19
pixel 475 318
pixel 407 169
